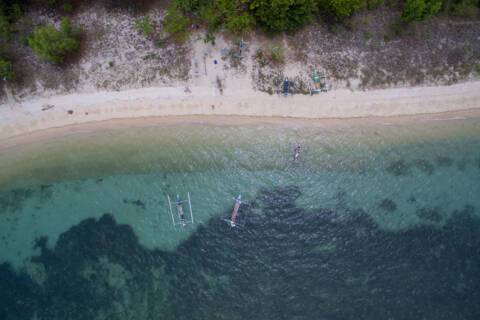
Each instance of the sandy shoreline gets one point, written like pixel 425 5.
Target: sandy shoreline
pixel 80 109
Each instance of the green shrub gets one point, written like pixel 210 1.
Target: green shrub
pixel 144 26
pixel 239 16
pixel 418 10
pixel 239 24
pixel 477 68
pixel 176 23
pixel 340 9
pixel 231 14
pixel 283 15
pixel 66 5
pixel 277 55
pixel 66 26
pixel 234 15
pixel 374 4
pixel 209 37
pixel 211 17
pixel 462 8
pixel 4 29
pixel 270 56
pixel 397 29
pixel 6 70
pixel 191 5
pixel 14 12
pixel 10 12
pixel 53 44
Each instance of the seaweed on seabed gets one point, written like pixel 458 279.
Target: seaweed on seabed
pixel 444 161
pixel 425 166
pixel 399 168
pixel 341 198
pixel 46 191
pixel 430 214
pixel 462 164
pixel 388 205
pixel 13 200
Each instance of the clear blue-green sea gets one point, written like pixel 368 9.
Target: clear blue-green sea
pixel 371 222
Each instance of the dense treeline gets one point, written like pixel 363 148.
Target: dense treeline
pixel 10 12
pixel 239 16
pixel 235 16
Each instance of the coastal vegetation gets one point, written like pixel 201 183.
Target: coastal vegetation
pixel 6 70
pixel 349 39
pixel 240 16
pixel 144 26
pixel 9 14
pixel 176 23
pixel 235 16
pixel 418 10
pixel 54 44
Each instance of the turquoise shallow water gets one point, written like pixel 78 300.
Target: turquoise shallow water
pixel 86 216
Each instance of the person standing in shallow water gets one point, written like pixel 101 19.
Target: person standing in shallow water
pixel 296 153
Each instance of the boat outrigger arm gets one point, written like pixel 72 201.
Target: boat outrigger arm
pixel 236 207
pixel 182 220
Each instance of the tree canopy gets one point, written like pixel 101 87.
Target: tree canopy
pixel 53 44
pixel 283 15
pixel 6 69
pixel 340 9
pixel 417 10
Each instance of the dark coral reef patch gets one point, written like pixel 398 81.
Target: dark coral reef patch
pixel 286 263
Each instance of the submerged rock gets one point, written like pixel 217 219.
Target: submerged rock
pixel 444 161
pixel 137 203
pixel 388 205
pixel 425 166
pixel 399 168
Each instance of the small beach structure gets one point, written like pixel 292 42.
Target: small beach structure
pixel 286 86
pixel 241 47
pixel 233 218
pixel 181 219
pixel 319 82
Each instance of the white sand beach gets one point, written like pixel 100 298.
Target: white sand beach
pixel 64 110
